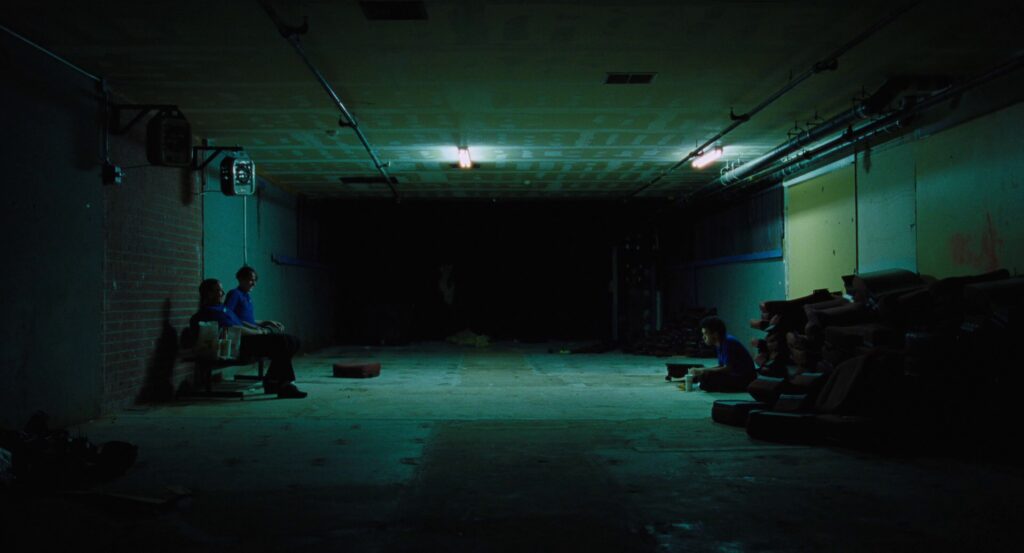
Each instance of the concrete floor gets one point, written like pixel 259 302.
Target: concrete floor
pixel 509 448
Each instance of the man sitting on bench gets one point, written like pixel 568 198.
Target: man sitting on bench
pixel 735 368
pixel 256 342
pixel 239 301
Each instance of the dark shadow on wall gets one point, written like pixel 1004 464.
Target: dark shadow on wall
pixel 188 186
pixel 158 384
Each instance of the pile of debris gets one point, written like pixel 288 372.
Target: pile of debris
pixel 680 336
pixel 469 338
pixel 41 458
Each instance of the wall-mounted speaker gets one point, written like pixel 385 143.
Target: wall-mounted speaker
pixel 169 139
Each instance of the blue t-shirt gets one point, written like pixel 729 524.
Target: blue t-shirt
pixel 732 354
pixel 219 313
pixel 240 303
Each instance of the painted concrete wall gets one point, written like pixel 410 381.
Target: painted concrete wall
pixel 970 196
pixel 51 220
pixel 300 297
pixel 821 234
pixel 737 289
pixel 945 205
pixel 886 211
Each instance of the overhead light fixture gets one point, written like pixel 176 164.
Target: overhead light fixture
pixel 707 158
pixel 465 162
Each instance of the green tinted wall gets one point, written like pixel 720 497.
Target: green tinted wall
pixel 970 196
pixel 52 223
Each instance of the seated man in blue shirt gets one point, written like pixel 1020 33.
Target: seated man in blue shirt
pixel 256 341
pixel 239 301
pixel 735 368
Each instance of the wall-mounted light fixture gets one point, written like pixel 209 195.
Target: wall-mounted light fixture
pixel 237 170
pixel 465 162
pixel 237 176
pixel 708 157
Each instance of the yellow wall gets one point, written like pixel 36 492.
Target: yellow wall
pixel 821 233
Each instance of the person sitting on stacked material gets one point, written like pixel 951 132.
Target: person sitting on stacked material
pixel 735 368
pixel 256 342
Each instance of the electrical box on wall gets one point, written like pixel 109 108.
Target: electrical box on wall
pixel 237 176
pixel 169 139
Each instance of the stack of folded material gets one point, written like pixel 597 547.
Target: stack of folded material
pixel 778 319
pixel 875 371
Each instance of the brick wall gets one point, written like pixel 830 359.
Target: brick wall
pixel 152 267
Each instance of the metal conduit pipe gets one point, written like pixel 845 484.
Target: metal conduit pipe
pixel 841 121
pixel 101 85
pixel 291 34
pixel 852 137
pixel 51 54
pixel 833 148
pixel 871 106
pixel 828 63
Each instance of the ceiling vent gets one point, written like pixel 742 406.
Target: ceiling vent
pixel 629 78
pixel 366 180
pixel 387 10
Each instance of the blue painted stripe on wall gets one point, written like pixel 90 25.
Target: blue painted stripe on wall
pixel 757 256
pixel 288 260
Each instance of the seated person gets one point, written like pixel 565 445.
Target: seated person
pixel 735 368
pixel 256 341
pixel 239 301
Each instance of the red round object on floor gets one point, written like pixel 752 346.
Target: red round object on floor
pixel 357 370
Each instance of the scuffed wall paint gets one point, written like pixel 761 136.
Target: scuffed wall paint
pixel 977 251
pixel 970 196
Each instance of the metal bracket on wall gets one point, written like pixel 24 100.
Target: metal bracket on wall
pixel 143 110
pixel 217 150
pixel 197 166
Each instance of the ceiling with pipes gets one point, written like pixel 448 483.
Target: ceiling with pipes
pixel 522 84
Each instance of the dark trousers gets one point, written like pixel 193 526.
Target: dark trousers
pixel 279 348
pixel 722 381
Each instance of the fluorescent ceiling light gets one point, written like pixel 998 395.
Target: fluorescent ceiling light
pixel 708 157
pixel 465 162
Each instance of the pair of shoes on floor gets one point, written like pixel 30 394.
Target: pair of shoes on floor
pixel 290 391
pixel 284 390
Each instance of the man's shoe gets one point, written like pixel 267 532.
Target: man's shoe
pixel 271 386
pixel 289 391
